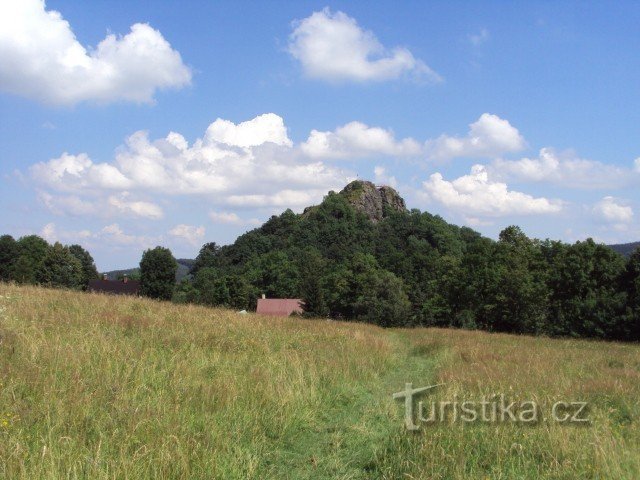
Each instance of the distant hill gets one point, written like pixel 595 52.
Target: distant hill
pixel 184 266
pixel 625 249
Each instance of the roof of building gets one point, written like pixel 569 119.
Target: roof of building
pixel 117 287
pixel 279 306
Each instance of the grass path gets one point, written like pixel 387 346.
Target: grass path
pixel 136 389
pixel 360 426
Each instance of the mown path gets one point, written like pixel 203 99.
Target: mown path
pixel 354 436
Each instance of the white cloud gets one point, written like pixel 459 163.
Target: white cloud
pixel 294 199
pixel 636 164
pixel 612 210
pixel 48 232
pixel 41 58
pixel 231 218
pixel 489 136
pixel 191 234
pixel 268 127
pixel 479 38
pixel 75 172
pixel 123 204
pixel 355 139
pixel 475 195
pixel 382 178
pixel 114 235
pixel 332 46
pixel 250 163
pixel 111 235
pixel 564 169
pixel 71 204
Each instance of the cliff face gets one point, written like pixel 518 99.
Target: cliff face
pixel 373 201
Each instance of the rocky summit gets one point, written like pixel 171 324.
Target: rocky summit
pixel 375 202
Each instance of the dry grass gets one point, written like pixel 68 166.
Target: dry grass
pixel 98 387
pixel 477 365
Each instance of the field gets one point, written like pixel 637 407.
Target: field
pixel 95 387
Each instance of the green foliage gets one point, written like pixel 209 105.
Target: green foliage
pixel 89 270
pixel 60 269
pixel 408 269
pixel 157 273
pixel 413 268
pixel 8 257
pixel 32 251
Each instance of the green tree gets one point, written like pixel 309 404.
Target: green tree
pixel 158 273
pixel 8 257
pixel 630 283
pixel 312 266
pixel 89 270
pixel 60 269
pixel 206 257
pixel 32 251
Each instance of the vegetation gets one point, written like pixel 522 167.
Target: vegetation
pixel 31 260
pixel 96 389
pixel 407 269
pixel 414 269
pixel 158 273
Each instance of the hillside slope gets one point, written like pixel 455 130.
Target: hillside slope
pixel 99 387
pixel 625 249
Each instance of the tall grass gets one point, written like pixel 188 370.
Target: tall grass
pixel 100 387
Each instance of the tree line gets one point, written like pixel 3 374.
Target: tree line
pixel 409 269
pixel 415 269
pixel 32 260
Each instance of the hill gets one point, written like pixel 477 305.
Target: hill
pixel 184 267
pixel 92 388
pixel 361 255
pixel 625 249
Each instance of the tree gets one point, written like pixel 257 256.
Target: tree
pixel 630 283
pixel 158 273
pixel 8 257
pixel 89 270
pixel 311 266
pixel 60 269
pixel 31 252
pixel 206 257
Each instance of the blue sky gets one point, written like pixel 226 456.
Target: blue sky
pixel 124 125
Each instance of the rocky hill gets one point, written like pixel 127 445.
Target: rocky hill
pixel 376 202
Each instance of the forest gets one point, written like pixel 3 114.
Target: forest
pixel 409 268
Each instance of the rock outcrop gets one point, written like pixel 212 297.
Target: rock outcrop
pixel 374 202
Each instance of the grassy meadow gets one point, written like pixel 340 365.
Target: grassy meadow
pixel 97 387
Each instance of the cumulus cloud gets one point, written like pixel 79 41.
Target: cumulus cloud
pixel 189 233
pixel 355 139
pixel 251 163
pixel 333 47
pixel 41 58
pixel 112 235
pixel 563 169
pixel 475 195
pixel 121 205
pixel 489 136
pixel 268 127
pixel 383 178
pixel 636 164
pixel 612 210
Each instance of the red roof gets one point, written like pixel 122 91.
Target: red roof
pixel 279 306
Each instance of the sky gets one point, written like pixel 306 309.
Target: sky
pixel 130 124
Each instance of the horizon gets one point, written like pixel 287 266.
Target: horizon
pixel 156 124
